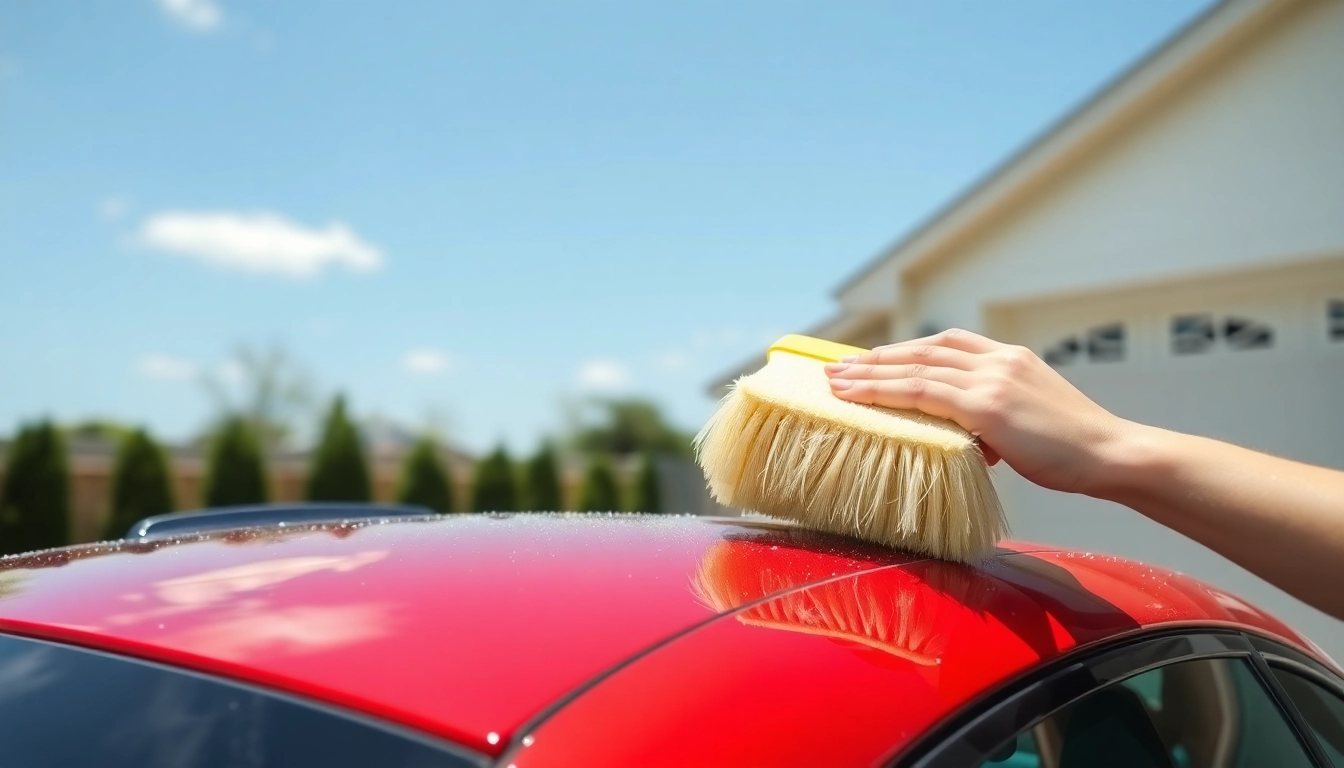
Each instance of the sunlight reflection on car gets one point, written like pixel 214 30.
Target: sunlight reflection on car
pixel 211 588
pixel 894 610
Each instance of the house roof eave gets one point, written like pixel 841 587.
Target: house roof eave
pixel 1116 101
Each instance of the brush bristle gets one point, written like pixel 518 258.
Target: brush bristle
pixel 783 445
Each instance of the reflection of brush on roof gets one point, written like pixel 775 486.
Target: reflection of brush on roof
pixel 782 444
pixel 891 610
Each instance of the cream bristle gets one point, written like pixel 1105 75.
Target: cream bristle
pixel 782 444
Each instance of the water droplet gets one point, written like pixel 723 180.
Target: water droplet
pixel 160 626
pixel 529 740
pixel 492 737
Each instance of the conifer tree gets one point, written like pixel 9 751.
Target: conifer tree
pixel 542 487
pixel 236 474
pixel 338 471
pixel 140 484
pixel 494 489
pixel 599 487
pixel 627 426
pixel 646 493
pixel 35 498
pixel 423 481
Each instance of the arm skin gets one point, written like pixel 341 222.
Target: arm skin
pixel 1279 519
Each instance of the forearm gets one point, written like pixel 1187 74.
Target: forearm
pixel 1279 519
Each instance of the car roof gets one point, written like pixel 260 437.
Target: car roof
pixel 477 628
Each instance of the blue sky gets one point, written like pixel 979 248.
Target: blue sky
pixel 471 212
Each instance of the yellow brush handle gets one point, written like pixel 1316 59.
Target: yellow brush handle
pixel 817 349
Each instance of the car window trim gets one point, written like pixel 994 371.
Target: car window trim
pixel 969 735
pixel 1277 654
pixel 1273 654
pixel 1289 708
pixel 1323 679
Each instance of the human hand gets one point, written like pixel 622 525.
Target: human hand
pixel 1020 408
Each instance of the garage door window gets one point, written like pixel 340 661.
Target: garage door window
pixel 1243 333
pixel 1199 333
pixel 1101 344
pixel 1207 713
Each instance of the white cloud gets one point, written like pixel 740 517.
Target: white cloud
pixel 672 361
pixel 603 375
pixel 425 362
pixel 264 243
pixel 196 15
pixel 167 368
pixel 114 208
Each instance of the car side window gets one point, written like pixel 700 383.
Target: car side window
pixel 65 706
pixel 1321 707
pixel 1206 713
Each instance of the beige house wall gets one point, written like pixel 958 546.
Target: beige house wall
pixel 1239 167
pixel 1219 190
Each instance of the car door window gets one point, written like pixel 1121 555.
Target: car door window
pixel 1321 707
pixel 1206 713
pixel 69 707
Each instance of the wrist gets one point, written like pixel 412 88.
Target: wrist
pixel 1131 459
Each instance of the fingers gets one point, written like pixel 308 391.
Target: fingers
pixel 935 398
pixel 919 354
pixel 955 376
pixel 953 338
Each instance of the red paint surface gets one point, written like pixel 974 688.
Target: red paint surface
pixel 831 653
pixel 462 626
pixel 851 671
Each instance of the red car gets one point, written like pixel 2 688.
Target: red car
pixel 622 640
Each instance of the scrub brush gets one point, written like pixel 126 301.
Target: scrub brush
pixel 783 445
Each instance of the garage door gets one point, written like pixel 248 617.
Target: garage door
pixel 1255 359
